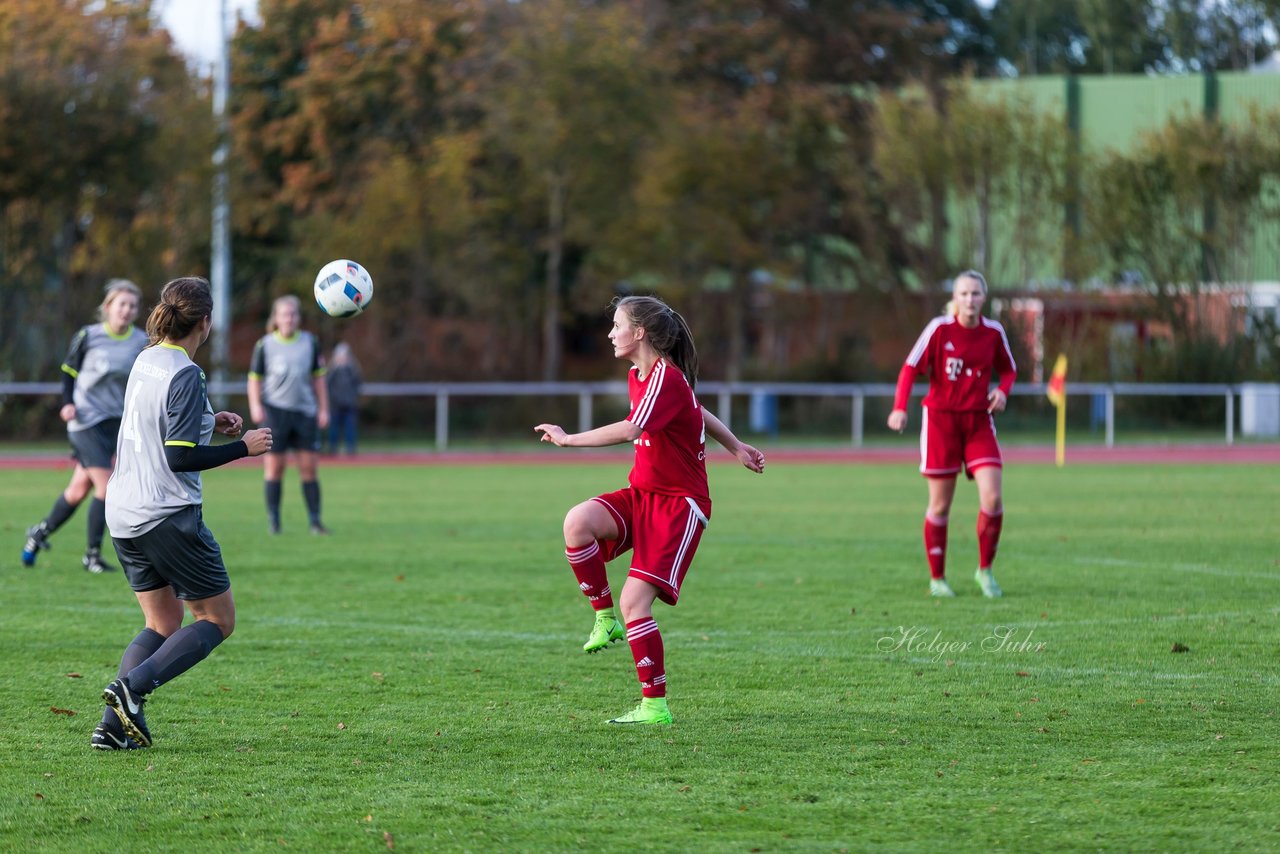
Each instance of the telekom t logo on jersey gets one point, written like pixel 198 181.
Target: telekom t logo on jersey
pixel 953 368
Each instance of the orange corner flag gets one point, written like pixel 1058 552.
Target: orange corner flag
pixel 1057 389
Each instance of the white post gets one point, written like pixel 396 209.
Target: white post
pixel 859 405
pixel 584 411
pixel 220 262
pixel 1231 417
pixel 442 420
pixel 723 404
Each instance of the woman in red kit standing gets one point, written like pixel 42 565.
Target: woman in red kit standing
pixel 660 516
pixel 961 353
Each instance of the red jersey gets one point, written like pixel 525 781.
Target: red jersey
pixel 671 452
pixel 960 363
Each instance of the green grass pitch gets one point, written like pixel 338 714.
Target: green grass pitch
pixel 415 681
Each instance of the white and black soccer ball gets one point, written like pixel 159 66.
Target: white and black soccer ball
pixel 343 288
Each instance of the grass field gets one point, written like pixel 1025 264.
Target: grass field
pixel 415 680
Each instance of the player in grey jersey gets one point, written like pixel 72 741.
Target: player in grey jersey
pixel 287 392
pixel 93 379
pixel 154 510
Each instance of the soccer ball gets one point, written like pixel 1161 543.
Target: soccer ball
pixel 343 288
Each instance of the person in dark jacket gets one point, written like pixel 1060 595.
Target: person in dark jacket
pixel 344 381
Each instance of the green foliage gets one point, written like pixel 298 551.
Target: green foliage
pixel 1097 36
pixel 415 680
pixel 1147 208
pixel 957 148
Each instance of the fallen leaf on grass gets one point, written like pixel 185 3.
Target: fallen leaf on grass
pixel 39 797
pixel 73 675
pixel 377 677
pixel 57 711
pixel 387 838
pixel 1022 673
pixel 1178 647
pixel 399 578
pixel 341 725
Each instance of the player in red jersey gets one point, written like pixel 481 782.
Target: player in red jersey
pixel 661 515
pixel 961 353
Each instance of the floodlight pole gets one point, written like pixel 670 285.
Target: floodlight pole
pixel 220 263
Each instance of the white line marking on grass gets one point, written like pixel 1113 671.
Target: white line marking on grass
pixel 1201 568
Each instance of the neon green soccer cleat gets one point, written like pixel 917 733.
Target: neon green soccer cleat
pixel 940 587
pixel 652 710
pixel 607 630
pixel 987 581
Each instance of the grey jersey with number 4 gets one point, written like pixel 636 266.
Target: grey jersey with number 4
pixel 99 362
pixel 288 368
pixel 166 404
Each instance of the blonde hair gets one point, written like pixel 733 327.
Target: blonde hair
pixel 287 299
pixel 113 289
pixel 971 274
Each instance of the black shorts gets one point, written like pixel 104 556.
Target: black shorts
pixel 291 430
pixel 180 553
pixel 93 447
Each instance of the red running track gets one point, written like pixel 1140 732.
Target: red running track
pixel 1250 454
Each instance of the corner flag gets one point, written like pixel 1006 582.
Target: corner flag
pixel 1056 391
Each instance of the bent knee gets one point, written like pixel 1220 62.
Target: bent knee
pixel 226 625
pixel 578 527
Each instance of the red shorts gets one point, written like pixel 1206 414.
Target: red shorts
pixel 950 441
pixel 663 532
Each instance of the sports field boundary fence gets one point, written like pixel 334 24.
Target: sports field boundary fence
pixel 1248 399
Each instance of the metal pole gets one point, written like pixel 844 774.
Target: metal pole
pixel 442 420
pixel 859 405
pixel 220 263
pixel 1111 418
pixel 723 404
pixel 584 411
pixel 1231 417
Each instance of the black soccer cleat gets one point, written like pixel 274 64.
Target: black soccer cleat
pixel 37 539
pixel 94 563
pixel 109 735
pixel 128 708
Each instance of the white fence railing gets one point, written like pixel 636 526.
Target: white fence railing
pixel 724 393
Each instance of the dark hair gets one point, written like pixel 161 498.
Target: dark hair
pixel 183 304
pixel 668 332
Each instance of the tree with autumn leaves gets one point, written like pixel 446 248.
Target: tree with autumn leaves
pixel 506 168
pixel 104 153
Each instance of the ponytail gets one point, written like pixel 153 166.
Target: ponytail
pixel 183 304
pixel 668 332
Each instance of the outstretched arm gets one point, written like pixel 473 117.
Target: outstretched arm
pixel 747 455
pixel 611 434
